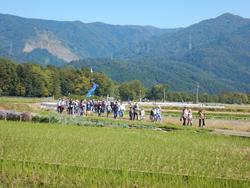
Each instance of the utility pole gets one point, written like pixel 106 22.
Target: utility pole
pixel 197 92
pixel 140 96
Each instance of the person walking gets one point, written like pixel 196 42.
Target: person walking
pixel 115 109
pixel 189 117
pixel 121 110
pixel 136 111
pixel 184 116
pixel 131 113
pixel 70 107
pixel 158 113
pixel 99 108
pixel 142 114
pixel 88 108
pixel 152 114
pixel 201 114
pixel 108 109
pixel 81 107
pixel 59 106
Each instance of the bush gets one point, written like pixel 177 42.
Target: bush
pixel 44 119
pixel 13 116
pixel 3 115
pixel 26 116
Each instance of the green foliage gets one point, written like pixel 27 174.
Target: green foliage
pixel 44 119
pixel 133 90
pixel 8 78
pixel 53 75
pixel 158 91
pixel 35 81
pixel 234 98
pixel 138 88
pixel 125 92
pixel 107 86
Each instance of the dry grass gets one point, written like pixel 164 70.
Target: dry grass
pixel 215 123
pixel 21 107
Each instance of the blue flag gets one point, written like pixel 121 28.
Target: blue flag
pixel 92 90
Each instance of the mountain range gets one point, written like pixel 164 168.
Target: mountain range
pixel 213 52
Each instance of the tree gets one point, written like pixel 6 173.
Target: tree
pixel 158 91
pixel 9 78
pixel 133 90
pixel 137 87
pixel 32 80
pixel 54 82
pixel 125 92
pixel 106 85
pixel 67 81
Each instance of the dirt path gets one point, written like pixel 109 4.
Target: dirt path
pixel 236 125
pixel 232 132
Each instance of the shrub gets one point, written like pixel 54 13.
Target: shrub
pixel 26 116
pixel 2 114
pixel 44 119
pixel 14 116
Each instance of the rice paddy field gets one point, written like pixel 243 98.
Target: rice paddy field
pixel 56 155
pixel 66 151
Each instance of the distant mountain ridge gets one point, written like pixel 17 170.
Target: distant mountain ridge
pixel 213 52
pixel 67 41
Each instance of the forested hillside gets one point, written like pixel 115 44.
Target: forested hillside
pixel 214 52
pixel 32 80
pixel 56 42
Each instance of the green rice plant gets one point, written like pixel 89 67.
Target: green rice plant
pixel 35 154
pixel 30 174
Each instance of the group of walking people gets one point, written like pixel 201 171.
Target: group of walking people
pixel 116 109
pixel 187 117
pixel 76 107
pixel 101 108
pixel 155 114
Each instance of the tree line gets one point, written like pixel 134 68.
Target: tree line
pixel 32 80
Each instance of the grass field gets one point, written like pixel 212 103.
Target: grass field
pixel 27 104
pixel 56 155
pixel 9 100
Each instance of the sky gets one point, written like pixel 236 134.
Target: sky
pixel 158 13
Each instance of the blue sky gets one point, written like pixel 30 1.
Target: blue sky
pixel 159 13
